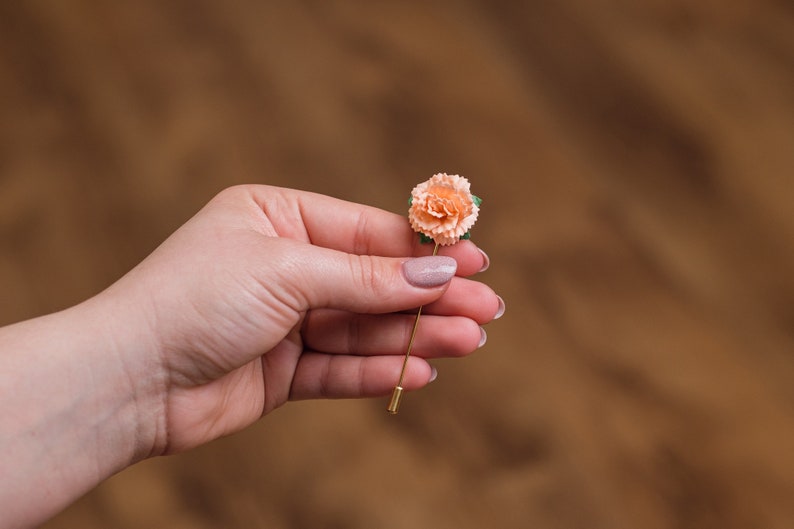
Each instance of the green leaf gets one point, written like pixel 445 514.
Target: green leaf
pixel 410 200
pixel 466 236
pixel 477 200
pixel 424 238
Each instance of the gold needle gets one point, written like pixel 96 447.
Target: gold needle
pixel 397 393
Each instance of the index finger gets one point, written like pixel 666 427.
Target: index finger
pixel 354 228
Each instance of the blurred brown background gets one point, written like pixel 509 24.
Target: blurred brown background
pixel 637 165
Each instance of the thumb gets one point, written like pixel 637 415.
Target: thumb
pixel 369 284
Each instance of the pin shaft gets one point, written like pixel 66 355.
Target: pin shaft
pixel 397 393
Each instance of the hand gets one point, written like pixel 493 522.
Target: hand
pixel 271 294
pixel 265 295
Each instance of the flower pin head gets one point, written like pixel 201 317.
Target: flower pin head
pixel 443 209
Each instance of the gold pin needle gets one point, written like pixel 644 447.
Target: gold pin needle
pixel 397 393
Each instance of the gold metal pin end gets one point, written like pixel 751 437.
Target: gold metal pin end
pixel 396 397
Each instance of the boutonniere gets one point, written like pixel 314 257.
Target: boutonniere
pixel 441 210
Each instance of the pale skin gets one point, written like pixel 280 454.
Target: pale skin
pixel 266 295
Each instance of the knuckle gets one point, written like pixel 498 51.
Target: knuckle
pixel 361 237
pixel 353 334
pixel 369 274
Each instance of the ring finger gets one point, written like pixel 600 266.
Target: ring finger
pixel 333 331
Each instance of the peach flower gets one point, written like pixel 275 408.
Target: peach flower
pixel 443 208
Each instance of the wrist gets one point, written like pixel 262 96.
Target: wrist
pixel 78 406
pixel 125 353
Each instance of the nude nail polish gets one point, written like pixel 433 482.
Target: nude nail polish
pixel 501 308
pixel 430 271
pixel 486 261
pixel 483 338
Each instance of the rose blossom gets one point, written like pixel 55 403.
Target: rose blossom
pixel 443 208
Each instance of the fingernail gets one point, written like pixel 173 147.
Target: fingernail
pixel 486 261
pixel 433 374
pixel 501 310
pixel 483 338
pixel 430 271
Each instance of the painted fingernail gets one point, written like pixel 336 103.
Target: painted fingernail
pixel 430 271
pixel 483 338
pixel 501 310
pixel 486 261
pixel 433 374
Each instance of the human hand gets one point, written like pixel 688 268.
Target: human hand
pixel 272 294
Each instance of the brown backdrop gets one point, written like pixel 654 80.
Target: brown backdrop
pixel 637 165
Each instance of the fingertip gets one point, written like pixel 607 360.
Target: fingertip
pixel 433 374
pixel 500 310
pixel 486 261
pixel 418 374
pixel 483 338
pixel 471 259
